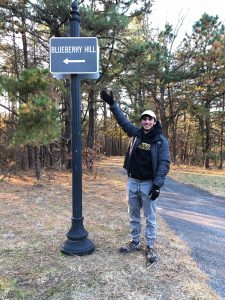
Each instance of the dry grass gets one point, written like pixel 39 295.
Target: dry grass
pixel 211 180
pixel 35 218
pixel 197 170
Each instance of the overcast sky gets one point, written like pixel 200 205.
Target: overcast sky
pixel 169 10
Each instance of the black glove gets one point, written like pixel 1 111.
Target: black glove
pixel 154 192
pixel 108 98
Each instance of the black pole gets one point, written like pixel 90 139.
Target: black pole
pixel 77 242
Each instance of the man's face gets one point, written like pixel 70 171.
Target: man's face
pixel 147 123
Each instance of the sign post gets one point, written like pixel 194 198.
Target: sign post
pixel 77 242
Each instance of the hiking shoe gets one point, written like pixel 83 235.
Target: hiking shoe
pixel 151 255
pixel 130 246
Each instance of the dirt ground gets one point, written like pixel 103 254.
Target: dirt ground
pixel 35 217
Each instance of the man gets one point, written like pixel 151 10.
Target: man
pixel 147 163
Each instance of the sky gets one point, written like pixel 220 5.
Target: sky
pixel 169 10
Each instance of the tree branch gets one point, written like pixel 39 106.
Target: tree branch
pixel 9 109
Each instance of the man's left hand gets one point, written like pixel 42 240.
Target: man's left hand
pixel 108 98
pixel 154 192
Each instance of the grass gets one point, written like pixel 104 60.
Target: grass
pixel 209 180
pixel 34 219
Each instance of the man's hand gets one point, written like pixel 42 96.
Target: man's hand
pixel 108 98
pixel 154 192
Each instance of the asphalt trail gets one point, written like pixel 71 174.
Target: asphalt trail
pixel 198 217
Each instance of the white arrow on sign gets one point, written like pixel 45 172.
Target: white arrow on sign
pixel 67 61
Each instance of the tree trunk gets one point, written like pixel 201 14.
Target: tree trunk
pixel 173 128
pixel 207 142
pixel 51 161
pixel 65 155
pixel 15 56
pixel 163 113
pixel 104 128
pixel 207 134
pixel 30 156
pixel 22 160
pixel 91 123
pixel 37 162
pixel 222 137
pixel 202 134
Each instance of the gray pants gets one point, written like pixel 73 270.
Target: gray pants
pixel 138 197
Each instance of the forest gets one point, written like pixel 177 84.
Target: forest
pixel 144 67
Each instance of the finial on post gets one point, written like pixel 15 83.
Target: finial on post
pixel 74 6
pixel 75 15
pixel 74 20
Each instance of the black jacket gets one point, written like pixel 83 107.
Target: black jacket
pixel 159 152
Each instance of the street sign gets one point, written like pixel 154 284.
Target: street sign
pixel 74 55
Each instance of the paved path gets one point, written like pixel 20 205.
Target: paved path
pixel 199 219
